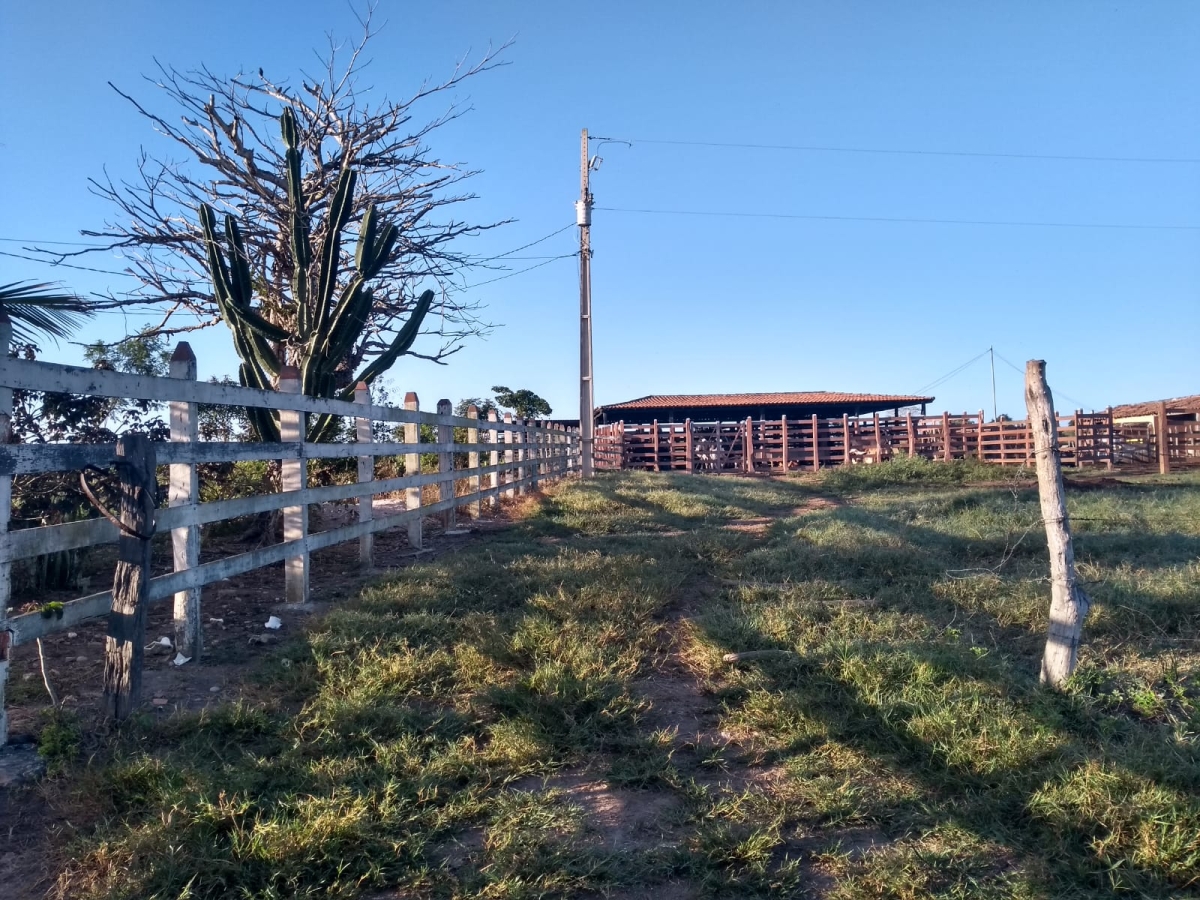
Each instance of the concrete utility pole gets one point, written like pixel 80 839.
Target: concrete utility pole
pixel 583 217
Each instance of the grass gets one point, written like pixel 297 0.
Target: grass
pixel 547 713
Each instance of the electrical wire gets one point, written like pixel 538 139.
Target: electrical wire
pixel 898 152
pixel 1079 404
pixel 513 274
pixel 52 263
pixel 944 378
pixel 895 219
pixel 530 244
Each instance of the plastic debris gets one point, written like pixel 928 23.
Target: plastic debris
pixel 274 623
pixel 72 634
pixel 180 659
pixel 164 642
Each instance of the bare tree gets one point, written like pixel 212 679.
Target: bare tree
pixel 234 161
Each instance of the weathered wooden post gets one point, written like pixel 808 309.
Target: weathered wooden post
pixel 816 429
pixel 748 463
pixel 783 433
pixel 124 646
pixel 445 435
pixel 473 460
pixel 1161 426
pixel 1112 444
pixel 912 434
pixel 412 468
pixel 366 473
pixel 845 439
pixel 979 438
pixel 294 478
pixel 509 455
pixel 522 444
pixel 6 399
pixel 184 491
pixel 878 440
pixel 1068 603
pixel 947 454
pixel 690 446
pixel 494 479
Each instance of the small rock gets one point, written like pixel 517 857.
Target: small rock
pixel 214 690
pixel 159 701
pixel 28 676
pixel 81 659
pixel 72 634
pixel 261 640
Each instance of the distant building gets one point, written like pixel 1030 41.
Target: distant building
pixel 738 407
pixel 1179 409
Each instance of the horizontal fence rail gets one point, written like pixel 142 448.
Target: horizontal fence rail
pixel 812 443
pixel 479 462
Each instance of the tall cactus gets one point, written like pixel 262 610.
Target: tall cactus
pixel 327 323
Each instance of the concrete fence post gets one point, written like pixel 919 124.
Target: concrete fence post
pixel 366 473
pixel 294 478
pixel 184 490
pixel 412 467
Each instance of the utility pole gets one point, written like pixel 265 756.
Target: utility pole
pixel 995 414
pixel 583 218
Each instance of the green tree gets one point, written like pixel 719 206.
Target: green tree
pixel 524 403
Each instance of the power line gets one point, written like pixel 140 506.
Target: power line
pixel 12 240
pixel 1079 404
pixel 50 262
pixel 899 152
pixel 895 219
pixel 944 378
pixel 530 244
pixel 514 274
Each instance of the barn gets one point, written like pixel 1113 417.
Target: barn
pixel 795 405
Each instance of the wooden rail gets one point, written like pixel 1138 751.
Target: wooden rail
pixel 810 444
pixel 501 459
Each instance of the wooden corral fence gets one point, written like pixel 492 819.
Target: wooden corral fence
pixel 498 458
pixel 781 445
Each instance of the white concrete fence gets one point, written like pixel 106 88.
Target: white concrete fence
pixel 504 458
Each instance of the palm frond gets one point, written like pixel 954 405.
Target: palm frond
pixel 40 310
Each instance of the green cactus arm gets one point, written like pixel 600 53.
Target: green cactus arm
pixel 339 213
pixel 404 340
pixel 366 236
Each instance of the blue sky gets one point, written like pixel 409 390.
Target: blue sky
pixel 698 303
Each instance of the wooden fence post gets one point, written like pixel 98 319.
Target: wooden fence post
pixel 1068 603
pixel 878 440
pixel 783 433
pixel 1112 443
pixel 294 478
pixel 185 490
pixel 412 467
pixel 947 453
pixel 124 646
pixel 5 513
pixel 494 478
pixel 979 438
pixel 473 461
pixel 749 445
pixel 689 444
pixel 816 428
pixel 366 472
pixel 845 439
pixel 445 435
pixel 912 434
pixel 522 441
pixel 1164 444
pixel 509 455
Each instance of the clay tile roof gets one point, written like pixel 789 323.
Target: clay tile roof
pixel 787 398
pixel 1175 405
